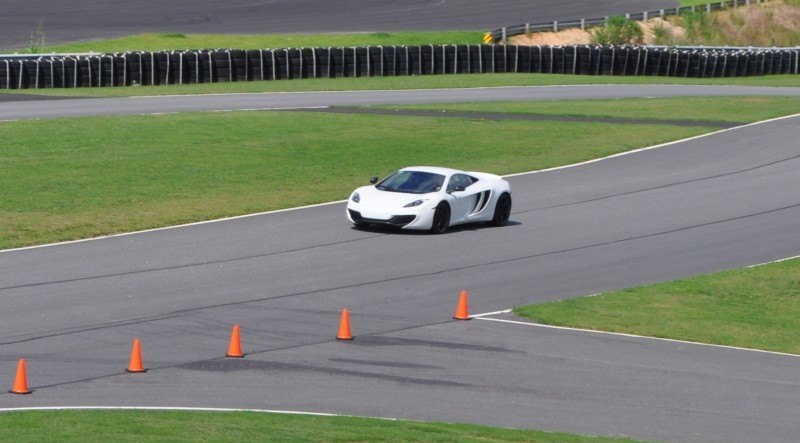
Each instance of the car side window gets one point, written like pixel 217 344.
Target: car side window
pixel 458 180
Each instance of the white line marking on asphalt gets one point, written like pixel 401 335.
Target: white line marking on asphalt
pixel 179 408
pixel 774 261
pixel 648 148
pixel 504 311
pixel 620 334
pixel 342 201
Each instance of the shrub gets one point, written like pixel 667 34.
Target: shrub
pixel 36 44
pixel 662 35
pixel 618 31
pixel 699 27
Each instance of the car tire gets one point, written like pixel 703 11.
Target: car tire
pixel 502 210
pixel 441 219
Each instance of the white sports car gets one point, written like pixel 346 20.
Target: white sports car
pixel 429 198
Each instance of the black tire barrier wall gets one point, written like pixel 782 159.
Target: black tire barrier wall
pixel 209 66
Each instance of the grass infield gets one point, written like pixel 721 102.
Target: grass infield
pixel 75 178
pixel 151 426
pixel 755 308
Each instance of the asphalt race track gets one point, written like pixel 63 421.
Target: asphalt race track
pixel 717 202
pixel 87 20
pixel 22 108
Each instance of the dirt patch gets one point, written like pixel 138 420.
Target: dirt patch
pixel 657 29
pixel 580 37
pixel 561 38
pixel 759 25
pixel 787 17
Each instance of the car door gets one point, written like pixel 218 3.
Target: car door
pixel 462 199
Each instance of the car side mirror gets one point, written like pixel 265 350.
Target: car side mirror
pixel 459 188
pixel 373 180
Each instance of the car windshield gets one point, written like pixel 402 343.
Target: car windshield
pixel 412 182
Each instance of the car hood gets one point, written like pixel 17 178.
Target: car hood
pixel 372 197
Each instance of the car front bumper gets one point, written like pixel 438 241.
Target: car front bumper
pixel 419 218
pixel 395 220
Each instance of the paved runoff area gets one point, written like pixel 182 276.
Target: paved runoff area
pixel 37 109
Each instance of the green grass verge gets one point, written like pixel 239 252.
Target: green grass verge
pixel 74 178
pixel 152 426
pixel 178 41
pixel 730 109
pixel 399 83
pixel 755 308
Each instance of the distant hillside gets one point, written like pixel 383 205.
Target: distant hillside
pixel 774 23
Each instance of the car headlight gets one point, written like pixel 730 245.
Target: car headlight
pixel 415 203
pixel 356 198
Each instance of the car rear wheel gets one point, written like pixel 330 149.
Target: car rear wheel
pixel 502 211
pixel 441 219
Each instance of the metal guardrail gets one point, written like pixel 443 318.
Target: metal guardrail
pixel 232 65
pixel 502 34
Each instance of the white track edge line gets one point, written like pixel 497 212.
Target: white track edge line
pixel 648 148
pixel 504 311
pixel 621 334
pixel 620 154
pixel 774 261
pixel 181 408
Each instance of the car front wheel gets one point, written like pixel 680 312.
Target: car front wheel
pixel 441 219
pixel 502 211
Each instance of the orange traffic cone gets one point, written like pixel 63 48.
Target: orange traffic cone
pixel 136 358
pixel 235 348
pixel 461 311
pixel 344 326
pixel 21 381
